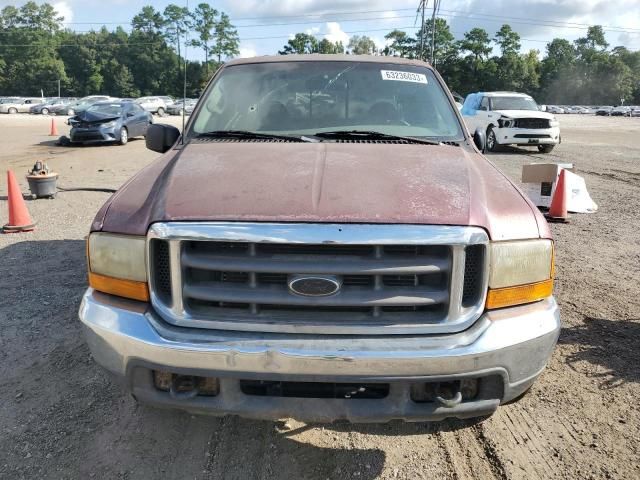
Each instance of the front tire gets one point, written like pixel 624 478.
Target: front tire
pixel 545 148
pixel 160 112
pixel 45 111
pixel 124 136
pixel 492 141
pixel 13 111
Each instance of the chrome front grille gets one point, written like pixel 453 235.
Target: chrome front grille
pixel 395 279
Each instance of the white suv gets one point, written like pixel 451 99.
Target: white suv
pixel 510 118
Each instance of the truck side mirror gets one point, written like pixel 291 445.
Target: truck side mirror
pixel 479 138
pixel 160 137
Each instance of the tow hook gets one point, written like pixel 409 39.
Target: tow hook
pixel 184 387
pixel 448 394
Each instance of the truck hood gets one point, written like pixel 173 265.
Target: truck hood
pixel 322 182
pixel 525 114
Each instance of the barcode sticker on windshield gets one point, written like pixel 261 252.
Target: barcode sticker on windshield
pixel 404 76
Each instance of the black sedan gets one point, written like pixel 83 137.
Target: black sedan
pixel 109 122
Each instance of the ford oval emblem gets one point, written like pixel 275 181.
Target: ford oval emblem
pixel 314 285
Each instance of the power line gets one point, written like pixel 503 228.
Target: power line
pixel 317 34
pixel 273 37
pixel 539 21
pixel 322 17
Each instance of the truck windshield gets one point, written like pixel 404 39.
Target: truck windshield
pixel 303 98
pixel 513 103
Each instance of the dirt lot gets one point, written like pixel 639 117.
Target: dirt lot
pixel 61 417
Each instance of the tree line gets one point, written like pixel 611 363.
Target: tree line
pixel 36 52
pixel 585 71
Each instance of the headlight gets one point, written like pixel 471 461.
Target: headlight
pixel 117 265
pixel 520 272
pixel 109 124
pixel 505 122
pixel 554 123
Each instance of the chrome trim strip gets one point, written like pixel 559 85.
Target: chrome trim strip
pixel 457 318
pixel 456 282
pixel 320 233
pixel 175 250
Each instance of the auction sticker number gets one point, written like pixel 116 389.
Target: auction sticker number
pixel 403 76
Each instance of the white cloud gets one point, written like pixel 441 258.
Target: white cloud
pixel 533 19
pixel 335 33
pixel 307 7
pixel 247 51
pixel 64 10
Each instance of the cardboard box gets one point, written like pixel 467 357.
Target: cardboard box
pixel 539 181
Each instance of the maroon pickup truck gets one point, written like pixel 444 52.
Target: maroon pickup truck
pixel 324 241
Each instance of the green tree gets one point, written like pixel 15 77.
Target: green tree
pixel 151 61
pixel 177 23
pixel 28 48
pixel 39 17
pixel 205 19
pixel 557 71
pixel 9 17
pixel 82 64
pixel 118 79
pixel 476 71
pixel 329 47
pixel 300 44
pixel 149 21
pixel 631 60
pixel 594 41
pixel 476 42
pixel 507 40
pixel 402 45
pixel 361 45
pixel 227 40
pixel 445 47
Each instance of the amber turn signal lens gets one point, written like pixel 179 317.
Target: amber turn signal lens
pixel 509 296
pixel 117 286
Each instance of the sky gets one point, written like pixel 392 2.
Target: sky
pixel 265 25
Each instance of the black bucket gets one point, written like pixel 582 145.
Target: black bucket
pixel 43 186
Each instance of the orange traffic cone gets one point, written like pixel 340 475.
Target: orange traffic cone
pixel 558 209
pixel 54 130
pixel 19 218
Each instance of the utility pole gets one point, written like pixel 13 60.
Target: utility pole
pixel 436 6
pixel 184 80
pixel 421 6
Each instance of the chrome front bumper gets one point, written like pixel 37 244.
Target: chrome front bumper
pixel 129 339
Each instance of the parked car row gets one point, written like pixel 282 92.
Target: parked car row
pixel 606 110
pixel 159 105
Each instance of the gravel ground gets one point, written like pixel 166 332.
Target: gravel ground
pixel 61 417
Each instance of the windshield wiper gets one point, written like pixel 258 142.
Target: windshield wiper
pixel 252 135
pixel 371 135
